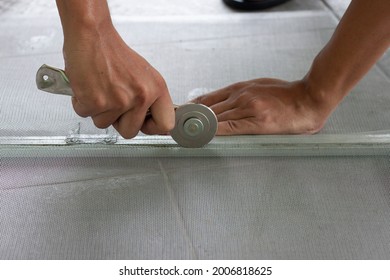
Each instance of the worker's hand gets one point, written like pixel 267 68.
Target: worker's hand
pixel 114 85
pixel 266 106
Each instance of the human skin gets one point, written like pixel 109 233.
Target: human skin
pixel 272 106
pixel 111 83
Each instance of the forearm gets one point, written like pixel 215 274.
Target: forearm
pixel 360 39
pixel 87 17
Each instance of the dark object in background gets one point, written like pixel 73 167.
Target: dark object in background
pixel 252 5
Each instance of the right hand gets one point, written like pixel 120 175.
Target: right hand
pixel 114 85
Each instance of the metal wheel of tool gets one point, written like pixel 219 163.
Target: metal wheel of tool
pixel 196 125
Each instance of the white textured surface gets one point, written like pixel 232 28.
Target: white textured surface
pixel 221 208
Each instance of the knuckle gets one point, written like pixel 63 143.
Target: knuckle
pixel 121 103
pixel 142 99
pixel 80 112
pixel 255 104
pixel 160 83
pixel 141 88
pixel 126 131
pixel 101 122
pixel 100 103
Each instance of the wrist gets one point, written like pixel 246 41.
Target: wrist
pixel 325 85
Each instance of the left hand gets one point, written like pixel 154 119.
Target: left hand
pixel 266 106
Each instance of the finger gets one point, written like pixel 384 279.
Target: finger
pixel 163 114
pixel 106 119
pixel 129 124
pixel 249 126
pixel 89 107
pixel 150 127
pixel 239 127
pixel 233 114
pixel 79 108
pixel 221 107
pixel 213 97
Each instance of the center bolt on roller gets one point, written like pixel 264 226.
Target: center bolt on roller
pixel 196 124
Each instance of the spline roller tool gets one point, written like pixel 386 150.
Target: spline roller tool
pixel 196 124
